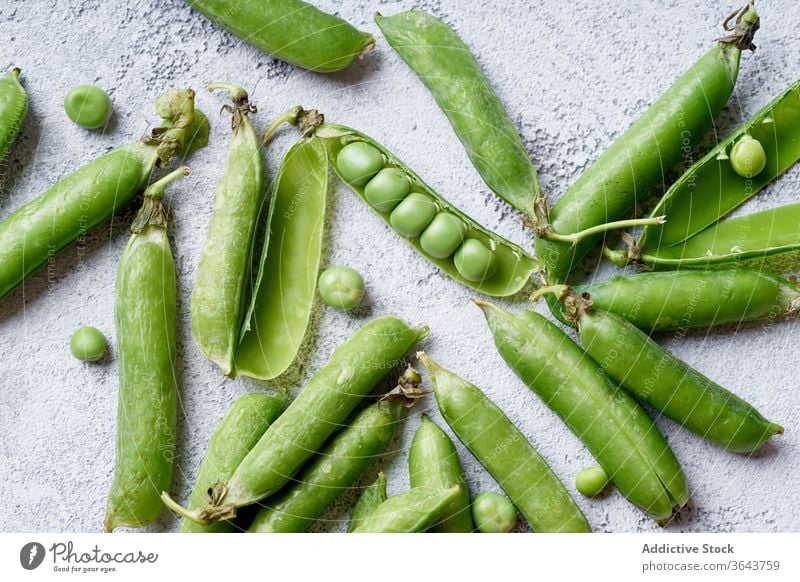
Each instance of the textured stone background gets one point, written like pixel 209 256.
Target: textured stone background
pixel 573 76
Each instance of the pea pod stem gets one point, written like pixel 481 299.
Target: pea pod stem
pixel 577 237
pixel 305 119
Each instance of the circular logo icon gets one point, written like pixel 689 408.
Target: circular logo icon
pixel 31 555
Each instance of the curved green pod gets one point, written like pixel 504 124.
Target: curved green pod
pixel 90 195
pixel 623 175
pixel 410 512
pixel 240 429
pixel 284 292
pixel 711 188
pixel 335 468
pixel 505 452
pixel 146 318
pixel 433 462
pixel 614 428
pixel 655 376
pixel 291 30
pixel 13 109
pixel 371 497
pixel 445 64
pixel 223 273
pixel 675 300
pixel 513 265
pixel 319 410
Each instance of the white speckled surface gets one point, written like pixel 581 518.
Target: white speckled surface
pixel 573 75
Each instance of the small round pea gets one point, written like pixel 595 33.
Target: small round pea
pixel 493 513
pixel 591 481
pixel 748 158
pixel 341 287
pixel 387 189
pixel 443 235
pixel 475 261
pixel 88 344
pixel 88 106
pixel 413 215
pixel 358 162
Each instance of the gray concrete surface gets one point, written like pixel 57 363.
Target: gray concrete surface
pixel 573 76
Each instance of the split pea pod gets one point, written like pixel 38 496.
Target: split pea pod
pixel 320 409
pixel 371 497
pixel 291 30
pixel 673 300
pixel 90 195
pixel 223 274
pixel 335 468
pixel 433 462
pixel 614 428
pixel 13 109
pixel 505 452
pixel 445 64
pixel 145 314
pixel 610 188
pixel 239 430
pixel 410 512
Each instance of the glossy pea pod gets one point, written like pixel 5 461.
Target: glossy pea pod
pixel 146 318
pixel 90 195
pixel 284 292
pixel 505 452
pixel 239 430
pixel 332 471
pixel 445 64
pixel 433 462
pixel 610 188
pixel 320 409
pixel 291 30
pixel 410 512
pixel 675 300
pixel 371 497
pixel 614 428
pixel 13 109
pixel 223 273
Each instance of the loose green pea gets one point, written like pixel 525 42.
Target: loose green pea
pixel 341 287
pixel 591 481
pixel 443 235
pixel 387 189
pixel 475 261
pixel 358 162
pixel 493 513
pixel 748 158
pixel 413 215
pixel 88 344
pixel 88 106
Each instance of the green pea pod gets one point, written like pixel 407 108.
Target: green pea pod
pixel 285 287
pixel 146 315
pixel 323 405
pixel 218 298
pixel 433 462
pixel 89 196
pixel 369 500
pixel 670 386
pixel 445 64
pixel 410 512
pixel 505 452
pixel 610 423
pixel 711 188
pixel 291 30
pixel 239 430
pixel 675 300
pixel 610 188
pixel 13 109
pixel 513 265
pixel 331 472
